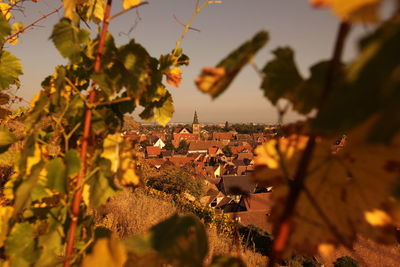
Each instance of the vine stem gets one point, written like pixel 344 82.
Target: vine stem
pixel 85 142
pixel 283 230
pixel 15 35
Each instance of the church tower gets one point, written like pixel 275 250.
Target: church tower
pixel 196 124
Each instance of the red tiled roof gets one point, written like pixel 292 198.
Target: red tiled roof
pixel 186 136
pixel 204 145
pixel 180 161
pixel 260 201
pixel 155 162
pixel 242 156
pixel 222 136
pixel 257 218
pixel 153 150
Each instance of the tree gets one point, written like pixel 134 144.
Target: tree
pixel 183 147
pixel 169 146
pixel 345 261
pixel 227 151
pixel 174 180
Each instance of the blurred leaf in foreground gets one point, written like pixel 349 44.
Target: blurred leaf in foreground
pixel 347 193
pixel 215 81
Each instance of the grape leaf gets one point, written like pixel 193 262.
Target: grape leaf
pixel 20 245
pixel 371 84
pixel 68 39
pixel 5 28
pixel 130 3
pixel 10 70
pixel 215 81
pixel 56 175
pixel 353 11
pixel 6 139
pixel 179 240
pixel 106 252
pixel 346 193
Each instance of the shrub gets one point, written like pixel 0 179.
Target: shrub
pixel 345 261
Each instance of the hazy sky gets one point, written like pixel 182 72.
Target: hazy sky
pixel 223 28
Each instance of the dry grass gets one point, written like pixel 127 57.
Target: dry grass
pixel 368 253
pixel 134 213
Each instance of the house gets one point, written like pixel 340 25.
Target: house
pixel 243 137
pixel 232 185
pixel 202 146
pixel 161 135
pixel 155 162
pixel 223 136
pixel 153 151
pixel 214 151
pixel 159 143
pixel 179 161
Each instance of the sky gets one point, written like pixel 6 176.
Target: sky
pixel 223 27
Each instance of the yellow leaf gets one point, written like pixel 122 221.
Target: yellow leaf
pixel 111 146
pixel 86 194
pixel 130 3
pixel 365 11
pixel 209 77
pixel 107 252
pixel 5 214
pixel 98 11
pixel 70 7
pixel 377 217
pixel 174 76
pixel 326 250
pixel 6 10
pixel 345 194
pixel 122 159
pixel 34 159
pixel 35 99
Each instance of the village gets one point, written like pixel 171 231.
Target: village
pixel 221 158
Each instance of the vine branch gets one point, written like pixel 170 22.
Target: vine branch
pixel 85 142
pixel 33 24
pixel 284 227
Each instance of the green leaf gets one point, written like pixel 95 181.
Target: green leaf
pixel 281 75
pixel 163 114
pixel 215 81
pixel 20 247
pixel 56 175
pixel 73 162
pixel 10 70
pixel 226 261
pixel 6 139
pixel 24 192
pixel 68 38
pixel 179 240
pixel 5 28
pixel 101 186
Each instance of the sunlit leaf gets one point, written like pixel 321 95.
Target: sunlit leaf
pixel 10 70
pixel 342 197
pixel 106 252
pixel 5 10
pixel 70 7
pixel 6 139
pixel 174 76
pixel 353 11
pixel 130 3
pixel 5 214
pixel 215 81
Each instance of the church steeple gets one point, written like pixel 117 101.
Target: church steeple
pixel 195 119
pixel 196 124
